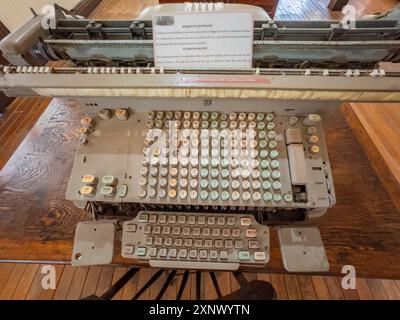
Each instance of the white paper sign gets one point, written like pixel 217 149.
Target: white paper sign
pixel 203 40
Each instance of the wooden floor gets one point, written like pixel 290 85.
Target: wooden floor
pixel 22 281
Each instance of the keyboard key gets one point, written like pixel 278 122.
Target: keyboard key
pixel 157 230
pixel 131 228
pixel 192 220
pixel 168 242
pixel 158 241
pixel 259 256
pixel 186 231
pixel 203 254
pixel 236 233
pixel 223 255
pixel 202 220
pixel 216 232
pixel 211 221
pixel 208 243
pixel 231 221
pixel 226 232
pixel 153 218
pixel 182 219
pixel 141 251
pixel 166 230
pixel 213 254
pixel 196 232
pixel 188 242
pixel 238 244
pixel 128 249
pixel 218 243
pixel 221 221
pixel 149 241
pixel 251 233
pixel 198 243
pixel 182 253
pixel 172 219
pixel 176 231
pixel 162 218
pixel 244 255
pixel 153 252
pixel 147 229
pixel 172 253
pixel 162 252
pixel 206 232
pixel 143 218
pixel 193 254
pixel 245 222
pixel 254 244
pixel 178 242
pixel 228 244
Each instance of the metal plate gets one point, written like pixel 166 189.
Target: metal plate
pixel 302 249
pixel 94 243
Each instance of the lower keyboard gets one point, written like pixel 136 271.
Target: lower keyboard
pixel 196 241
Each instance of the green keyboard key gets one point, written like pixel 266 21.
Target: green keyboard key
pixel 225 195
pixel 203 195
pixel 214 195
pixel 244 255
pixel 141 251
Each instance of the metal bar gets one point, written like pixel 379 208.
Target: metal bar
pixel 198 285
pixel 148 284
pixel 215 284
pixel 183 285
pixel 116 287
pixel 240 278
pixel 166 284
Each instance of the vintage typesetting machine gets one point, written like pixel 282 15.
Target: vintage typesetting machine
pixel 199 162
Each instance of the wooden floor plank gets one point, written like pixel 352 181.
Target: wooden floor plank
pixel 377 289
pixel 224 282
pixel 5 271
pixel 363 289
pixel 118 274
pixel 77 284
pixel 292 287
pixel 25 282
pixel 334 287
pixel 12 282
pixel 320 288
pixel 91 282
pixel 278 282
pixel 131 288
pixel 306 287
pixel 144 275
pixel 64 284
pixel 391 289
pixel 105 280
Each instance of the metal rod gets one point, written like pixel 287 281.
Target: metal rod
pixel 198 285
pixel 240 278
pixel 183 285
pixel 215 284
pixel 166 284
pixel 148 284
pixel 110 293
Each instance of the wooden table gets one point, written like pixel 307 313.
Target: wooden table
pixel 38 224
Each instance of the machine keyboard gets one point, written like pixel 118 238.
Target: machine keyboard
pixel 196 241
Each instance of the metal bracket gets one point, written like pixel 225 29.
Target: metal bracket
pixel 94 243
pixel 138 30
pixel 302 249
